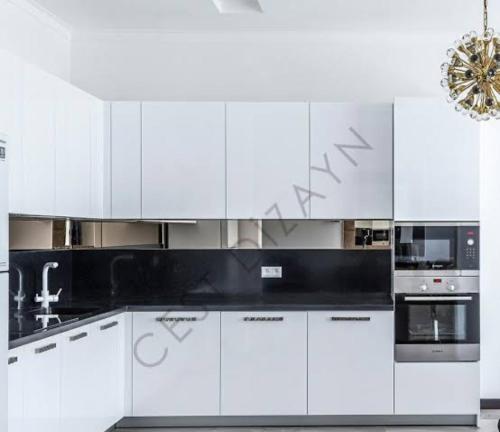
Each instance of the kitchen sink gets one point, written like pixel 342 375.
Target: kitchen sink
pixel 63 310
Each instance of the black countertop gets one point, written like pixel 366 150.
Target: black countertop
pixel 26 327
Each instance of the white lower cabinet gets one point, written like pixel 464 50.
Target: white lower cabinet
pixel 176 363
pixel 264 363
pixel 350 368
pixel 78 381
pixel 42 385
pixel 15 388
pixel 437 388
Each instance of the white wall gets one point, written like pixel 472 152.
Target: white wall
pixel 259 66
pixel 490 259
pixel 35 36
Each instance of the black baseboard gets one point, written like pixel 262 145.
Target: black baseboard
pixel 490 403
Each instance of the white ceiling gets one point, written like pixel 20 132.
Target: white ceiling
pixel 341 15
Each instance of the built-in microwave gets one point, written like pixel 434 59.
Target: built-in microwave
pixel 442 249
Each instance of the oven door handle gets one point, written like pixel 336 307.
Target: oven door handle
pixel 438 298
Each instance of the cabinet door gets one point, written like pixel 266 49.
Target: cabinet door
pixel 126 142
pixel 78 381
pixel 110 370
pixel 183 160
pixel 97 169
pixel 264 363
pixel 351 363
pixel 15 386
pixel 42 386
pixel 351 161
pixel 39 142
pixel 267 160
pixel 73 152
pixel 176 363
pixel 436 162
pixel 437 388
pixel 11 118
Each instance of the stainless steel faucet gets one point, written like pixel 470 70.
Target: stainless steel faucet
pixel 20 296
pixel 46 298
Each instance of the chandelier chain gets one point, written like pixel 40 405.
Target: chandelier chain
pixel 485 15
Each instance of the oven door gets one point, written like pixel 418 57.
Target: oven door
pixel 437 328
pixel 426 248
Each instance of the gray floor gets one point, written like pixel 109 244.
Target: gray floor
pixel 488 423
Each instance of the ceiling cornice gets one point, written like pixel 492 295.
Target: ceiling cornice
pixel 44 16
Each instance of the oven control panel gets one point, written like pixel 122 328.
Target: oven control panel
pixel 435 285
pixel 468 248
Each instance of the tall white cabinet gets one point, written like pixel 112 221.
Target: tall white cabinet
pixel 267 160
pixel 436 162
pixel 351 161
pixel 183 160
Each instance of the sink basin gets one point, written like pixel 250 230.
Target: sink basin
pixel 62 310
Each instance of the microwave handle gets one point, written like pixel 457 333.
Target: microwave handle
pixel 438 298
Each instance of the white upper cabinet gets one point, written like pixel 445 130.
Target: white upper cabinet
pixel 73 152
pixel 97 169
pixel 351 161
pixel 436 162
pixel 183 160
pixel 38 135
pixel 267 160
pixel 126 137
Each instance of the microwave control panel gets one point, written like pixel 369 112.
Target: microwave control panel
pixel 468 247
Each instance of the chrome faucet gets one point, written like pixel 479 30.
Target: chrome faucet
pixel 46 298
pixel 20 296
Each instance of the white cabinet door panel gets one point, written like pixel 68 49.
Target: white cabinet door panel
pixel 15 386
pixel 351 161
pixel 176 364
pixel 351 358
pixel 97 169
pixel 436 162
pixel 39 105
pixel 437 388
pixel 267 160
pixel 183 160
pixel 264 363
pixel 42 371
pixel 126 138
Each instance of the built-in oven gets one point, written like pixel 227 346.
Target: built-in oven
pixel 441 249
pixel 437 319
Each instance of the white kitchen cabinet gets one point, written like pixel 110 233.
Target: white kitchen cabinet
pixel 351 358
pixel 38 135
pixel 437 388
pixel 126 144
pixel 73 152
pixel 351 161
pixel 109 371
pixel 97 168
pixel 176 363
pixel 183 160
pixel 11 119
pixel 263 363
pixel 42 385
pixel 79 385
pixel 436 162
pixel 15 388
pixel 267 160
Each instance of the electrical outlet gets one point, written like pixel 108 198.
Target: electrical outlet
pixel 271 272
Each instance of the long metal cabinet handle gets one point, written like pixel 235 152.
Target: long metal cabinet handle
pixel 351 318
pixel 13 360
pixel 264 318
pixel 109 325
pixel 438 298
pixel 45 348
pixel 176 319
pixel 78 337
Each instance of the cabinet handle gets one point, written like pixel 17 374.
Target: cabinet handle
pixel 13 360
pixel 109 325
pixel 78 336
pixel 350 318
pixel 264 319
pixel 177 319
pixel 45 348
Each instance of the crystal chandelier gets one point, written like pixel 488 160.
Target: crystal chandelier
pixel 472 73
